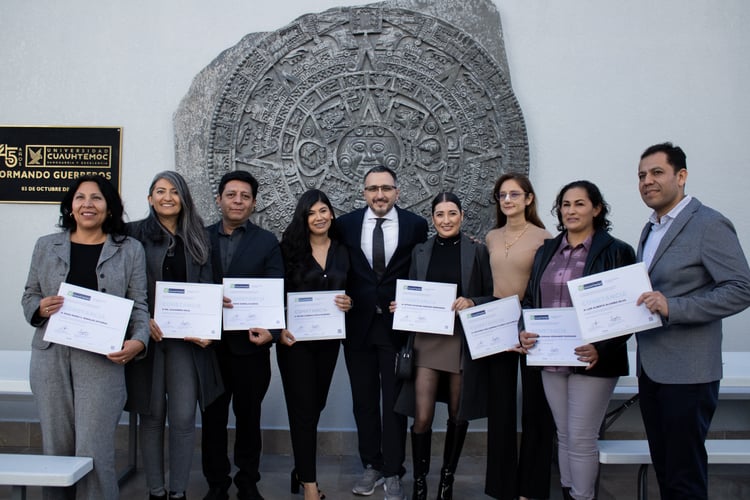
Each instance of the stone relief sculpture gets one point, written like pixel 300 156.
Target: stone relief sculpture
pixel 320 101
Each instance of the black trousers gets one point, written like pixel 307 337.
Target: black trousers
pixel 306 371
pixel 246 380
pixel 677 418
pixel 381 432
pixel 511 472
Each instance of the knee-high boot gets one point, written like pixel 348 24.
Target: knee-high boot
pixel 454 442
pixel 420 452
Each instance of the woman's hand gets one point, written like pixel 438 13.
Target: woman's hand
pixel 528 340
pixel 344 302
pixel 155 331
pixel 392 306
pixel 130 349
pixel 259 336
pixel 50 305
pixel 587 354
pixel 287 338
pixel 198 341
pixel 226 302
pixel 462 303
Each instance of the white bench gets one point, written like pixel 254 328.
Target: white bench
pixel 635 451
pixel 14 385
pixel 20 471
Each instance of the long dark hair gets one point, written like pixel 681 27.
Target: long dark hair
pixel 601 222
pixel 113 223
pixel 189 223
pixel 530 210
pixel 295 241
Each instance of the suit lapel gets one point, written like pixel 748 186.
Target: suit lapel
pixel 642 241
pixel 676 228
pixel 423 259
pixel 467 262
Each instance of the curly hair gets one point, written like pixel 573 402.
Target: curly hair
pixel 113 223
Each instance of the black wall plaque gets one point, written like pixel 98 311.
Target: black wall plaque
pixel 37 164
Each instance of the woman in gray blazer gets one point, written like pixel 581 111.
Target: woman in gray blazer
pixel 80 394
pixel 177 373
pixel 444 368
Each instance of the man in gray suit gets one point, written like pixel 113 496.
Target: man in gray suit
pixel 699 275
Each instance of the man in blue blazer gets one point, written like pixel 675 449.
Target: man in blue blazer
pixel 699 275
pixel 239 249
pixel 371 344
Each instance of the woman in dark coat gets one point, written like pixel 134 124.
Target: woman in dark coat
pixel 444 368
pixel 177 373
pixel 578 396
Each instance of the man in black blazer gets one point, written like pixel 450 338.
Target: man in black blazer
pixel 239 249
pixel 371 344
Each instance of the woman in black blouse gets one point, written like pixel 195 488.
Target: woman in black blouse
pixel 314 260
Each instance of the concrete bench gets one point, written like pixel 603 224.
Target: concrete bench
pixel 14 385
pixel 633 451
pixel 20 471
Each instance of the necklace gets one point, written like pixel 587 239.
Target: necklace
pixel 508 245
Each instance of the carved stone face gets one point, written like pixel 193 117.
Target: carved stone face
pixel 366 147
pixel 318 103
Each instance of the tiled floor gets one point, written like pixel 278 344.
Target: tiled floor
pixel 336 475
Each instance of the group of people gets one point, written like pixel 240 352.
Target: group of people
pixel 697 268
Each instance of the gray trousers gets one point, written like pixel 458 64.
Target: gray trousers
pixel 80 396
pixel 578 404
pixel 174 392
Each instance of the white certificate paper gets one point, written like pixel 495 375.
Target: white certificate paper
pixel 424 306
pixel 188 309
pixel 559 335
pixel 605 303
pixel 315 316
pixel 492 327
pixel 256 303
pixel 89 320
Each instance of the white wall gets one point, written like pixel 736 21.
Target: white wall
pixel 598 81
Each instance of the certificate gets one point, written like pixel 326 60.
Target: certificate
pixel 256 303
pixel 605 303
pixel 89 320
pixel 188 309
pixel 424 306
pixel 559 335
pixel 315 316
pixel 492 327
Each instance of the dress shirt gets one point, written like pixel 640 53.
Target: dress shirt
pixel 228 243
pixel 390 233
pixel 659 228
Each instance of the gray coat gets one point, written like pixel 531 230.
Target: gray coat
pixel 121 271
pixel 139 374
pixel 701 269
pixel 476 283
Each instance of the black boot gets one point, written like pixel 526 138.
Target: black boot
pixel 566 493
pixel 455 434
pixel 420 453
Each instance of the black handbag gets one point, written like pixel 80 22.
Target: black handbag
pixel 405 360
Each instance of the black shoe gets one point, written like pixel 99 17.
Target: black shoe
pixel 151 496
pixel 216 493
pixel 250 492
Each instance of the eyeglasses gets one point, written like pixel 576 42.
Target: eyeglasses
pixel 385 188
pixel 513 195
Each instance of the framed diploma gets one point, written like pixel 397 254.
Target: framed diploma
pixel 89 320
pixel 188 309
